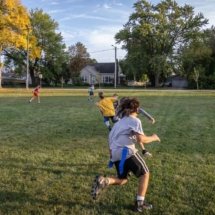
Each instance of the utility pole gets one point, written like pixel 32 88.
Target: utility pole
pixel 27 63
pixel 115 70
pixel 1 66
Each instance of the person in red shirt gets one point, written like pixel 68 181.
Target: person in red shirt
pixel 36 92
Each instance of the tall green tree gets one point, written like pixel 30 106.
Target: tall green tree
pixel 210 73
pixel 154 32
pixel 49 57
pixel 198 57
pixel 53 51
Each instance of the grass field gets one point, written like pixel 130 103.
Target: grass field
pixel 50 153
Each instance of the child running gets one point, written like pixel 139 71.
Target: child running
pixel 36 92
pixel 91 92
pixel 120 114
pixel 125 156
pixel 106 107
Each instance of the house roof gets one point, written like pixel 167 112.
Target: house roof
pixel 104 67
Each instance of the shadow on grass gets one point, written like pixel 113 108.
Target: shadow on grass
pixel 11 202
pixel 52 167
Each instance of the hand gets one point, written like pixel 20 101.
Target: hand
pixel 156 138
pixel 153 121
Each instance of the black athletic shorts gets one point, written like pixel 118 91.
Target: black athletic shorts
pixel 134 164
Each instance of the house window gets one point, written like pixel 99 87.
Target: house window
pixel 84 79
pixel 107 79
pixel 93 79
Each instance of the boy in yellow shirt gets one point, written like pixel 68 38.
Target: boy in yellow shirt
pixel 106 106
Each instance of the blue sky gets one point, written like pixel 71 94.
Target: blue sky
pixel 95 22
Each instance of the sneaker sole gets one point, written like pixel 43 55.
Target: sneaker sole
pixel 94 190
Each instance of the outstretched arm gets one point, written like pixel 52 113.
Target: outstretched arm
pixel 147 115
pixel 143 139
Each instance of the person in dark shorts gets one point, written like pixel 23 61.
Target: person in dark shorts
pixel 91 92
pixel 125 156
pixel 106 107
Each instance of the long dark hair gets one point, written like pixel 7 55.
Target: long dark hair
pixel 128 106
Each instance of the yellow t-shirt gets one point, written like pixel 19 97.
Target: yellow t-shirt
pixel 106 106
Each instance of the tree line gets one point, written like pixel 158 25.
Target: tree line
pixel 35 33
pixel 160 40
pixel 165 39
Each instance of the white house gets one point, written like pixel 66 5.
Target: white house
pixel 101 73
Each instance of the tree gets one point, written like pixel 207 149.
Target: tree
pixel 196 77
pixel 154 32
pixel 48 55
pixel 145 79
pixel 196 58
pixel 78 58
pixel 14 21
pixel 210 72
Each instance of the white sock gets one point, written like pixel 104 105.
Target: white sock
pixel 140 198
pixel 107 123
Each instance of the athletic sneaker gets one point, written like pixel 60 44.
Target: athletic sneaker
pixel 142 205
pixel 146 153
pixel 99 184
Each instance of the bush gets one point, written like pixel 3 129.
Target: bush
pixel 205 82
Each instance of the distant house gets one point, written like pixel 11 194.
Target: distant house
pixel 9 78
pixel 176 81
pixel 101 73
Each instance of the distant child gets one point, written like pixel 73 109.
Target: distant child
pixel 106 107
pixel 125 155
pixel 36 92
pixel 91 92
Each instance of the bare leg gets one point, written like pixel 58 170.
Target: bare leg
pixel 143 184
pixel 116 181
pixel 32 99
pixel 38 99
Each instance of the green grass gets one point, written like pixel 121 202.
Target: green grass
pixel 50 153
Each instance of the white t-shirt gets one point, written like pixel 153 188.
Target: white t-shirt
pixel 122 134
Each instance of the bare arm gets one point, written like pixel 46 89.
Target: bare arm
pixel 147 115
pixel 143 139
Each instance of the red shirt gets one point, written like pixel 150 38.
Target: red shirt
pixel 36 91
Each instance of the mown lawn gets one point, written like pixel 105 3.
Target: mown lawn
pixel 50 153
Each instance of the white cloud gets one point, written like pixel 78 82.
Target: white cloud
pixel 85 16
pixel 106 6
pixel 103 39
pixel 68 36
pixel 54 3
pixel 57 11
pixel 119 4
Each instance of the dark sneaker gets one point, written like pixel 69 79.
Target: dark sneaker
pixel 146 153
pixel 99 184
pixel 142 205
